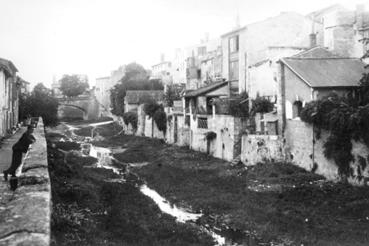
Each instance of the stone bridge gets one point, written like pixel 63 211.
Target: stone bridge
pixel 83 107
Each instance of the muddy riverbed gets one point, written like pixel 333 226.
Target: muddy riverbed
pixel 124 173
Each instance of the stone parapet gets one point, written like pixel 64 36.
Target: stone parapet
pixel 25 213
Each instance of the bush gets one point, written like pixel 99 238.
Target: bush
pixel 160 118
pixel 130 118
pixel 345 121
pixel 151 107
pixel 261 105
pixel 39 103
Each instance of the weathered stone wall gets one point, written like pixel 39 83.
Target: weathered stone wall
pixel 261 148
pixel 140 121
pixel 304 150
pixel 26 218
pixel 151 130
pixel 227 144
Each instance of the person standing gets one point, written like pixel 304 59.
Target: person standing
pixel 19 148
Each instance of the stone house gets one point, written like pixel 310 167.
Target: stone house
pixel 255 43
pixel 343 29
pixel 103 85
pixel 202 62
pixel 163 71
pixel 305 77
pixel 9 102
pixel 102 93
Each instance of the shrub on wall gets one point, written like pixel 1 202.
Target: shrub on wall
pixel 344 121
pixel 130 118
pixel 160 118
pixel 261 105
pixel 151 107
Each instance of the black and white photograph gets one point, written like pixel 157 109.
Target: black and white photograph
pixel 184 123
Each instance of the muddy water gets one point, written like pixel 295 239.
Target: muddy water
pixel 105 160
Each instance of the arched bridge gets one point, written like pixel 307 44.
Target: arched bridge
pixel 82 107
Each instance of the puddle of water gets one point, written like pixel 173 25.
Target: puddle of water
pixel 118 150
pixel 180 214
pixel 104 156
pixel 101 123
pixel 138 164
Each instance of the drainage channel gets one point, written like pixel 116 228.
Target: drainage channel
pixel 106 159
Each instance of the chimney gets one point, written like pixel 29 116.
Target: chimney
pixel 312 37
pixel 360 8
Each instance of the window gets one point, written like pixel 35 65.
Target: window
pixel 202 123
pixel 233 70
pixel 296 109
pixel 233 44
pixel 187 120
pixel 201 51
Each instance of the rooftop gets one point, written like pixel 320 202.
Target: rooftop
pixel 205 89
pixel 320 68
pixel 138 96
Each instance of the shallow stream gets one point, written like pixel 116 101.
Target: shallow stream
pixel 106 160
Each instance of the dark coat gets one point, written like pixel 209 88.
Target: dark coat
pixel 24 142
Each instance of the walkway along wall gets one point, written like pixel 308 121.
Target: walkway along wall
pixel 26 217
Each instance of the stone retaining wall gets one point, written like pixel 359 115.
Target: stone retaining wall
pixel 27 214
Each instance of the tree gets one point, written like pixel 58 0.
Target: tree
pixel 39 103
pixel 135 78
pixel 170 95
pixel 73 85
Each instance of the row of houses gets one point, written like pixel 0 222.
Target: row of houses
pixel 11 85
pixel 289 59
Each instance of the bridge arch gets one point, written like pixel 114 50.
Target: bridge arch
pixel 66 110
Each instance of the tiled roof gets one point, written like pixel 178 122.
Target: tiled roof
pixel 205 89
pixel 321 68
pixel 137 97
pixel 316 52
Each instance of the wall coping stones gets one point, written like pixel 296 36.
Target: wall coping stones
pixel 25 213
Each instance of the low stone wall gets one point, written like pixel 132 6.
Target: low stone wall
pixel 27 215
pixel 261 148
pixel 227 144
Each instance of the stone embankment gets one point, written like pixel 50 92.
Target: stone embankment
pixel 25 213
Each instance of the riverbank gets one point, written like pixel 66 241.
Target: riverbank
pixel 94 206
pixel 272 202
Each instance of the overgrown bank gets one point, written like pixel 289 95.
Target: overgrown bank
pixel 274 202
pixel 91 206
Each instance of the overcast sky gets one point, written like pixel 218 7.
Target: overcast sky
pixel 93 37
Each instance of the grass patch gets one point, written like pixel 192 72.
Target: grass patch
pixel 279 201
